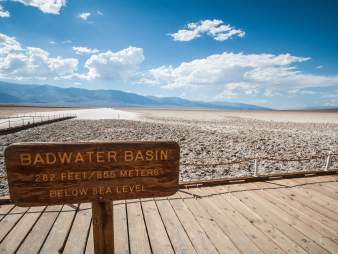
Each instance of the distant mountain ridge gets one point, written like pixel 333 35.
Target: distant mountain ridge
pixel 47 95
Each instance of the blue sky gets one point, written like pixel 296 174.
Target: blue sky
pixel 281 54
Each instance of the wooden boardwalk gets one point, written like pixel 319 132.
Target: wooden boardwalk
pixel 281 216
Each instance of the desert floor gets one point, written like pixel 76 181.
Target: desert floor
pixel 6 111
pixel 206 137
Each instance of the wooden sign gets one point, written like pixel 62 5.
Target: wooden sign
pixel 61 173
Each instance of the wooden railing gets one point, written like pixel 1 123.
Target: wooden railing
pixel 326 170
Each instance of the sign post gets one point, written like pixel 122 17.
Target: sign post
pixel 64 173
pixel 103 227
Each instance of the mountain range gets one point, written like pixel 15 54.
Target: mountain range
pixel 47 95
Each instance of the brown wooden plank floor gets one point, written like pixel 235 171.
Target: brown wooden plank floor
pixel 280 216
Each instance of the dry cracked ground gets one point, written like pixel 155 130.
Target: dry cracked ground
pixel 208 142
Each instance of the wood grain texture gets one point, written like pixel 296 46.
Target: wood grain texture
pixel 59 173
pixel 103 227
pixel 196 220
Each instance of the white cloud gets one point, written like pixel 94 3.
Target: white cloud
pixel 218 69
pixel 330 99
pixel 32 63
pixel 46 6
pixel 52 42
pixel 8 44
pixel 84 15
pixel 99 13
pixel 4 13
pixel 214 28
pixel 121 65
pixel 84 50
pixel 235 90
pixel 236 74
pixel 17 62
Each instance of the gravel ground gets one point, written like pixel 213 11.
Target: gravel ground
pixel 208 142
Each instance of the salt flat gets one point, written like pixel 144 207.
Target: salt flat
pixel 86 113
pixel 23 116
pixel 217 115
pixel 131 113
pixel 206 137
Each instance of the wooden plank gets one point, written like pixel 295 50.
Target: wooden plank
pixel 295 222
pixel 220 240
pixel 314 196
pixel 273 217
pixel 316 179
pixel 292 194
pixel 333 185
pixel 304 180
pixel 238 237
pixel 178 237
pixel 306 207
pixel 121 227
pixel 138 236
pixel 90 242
pixel 59 232
pixel 330 188
pixel 39 173
pixel 323 189
pixel 38 234
pixel 4 210
pixel 156 230
pixel 242 187
pixel 77 238
pixel 13 240
pixel 199 239
pixel 263 242
pixel 9 221
pixel 312 226
pixel 281 239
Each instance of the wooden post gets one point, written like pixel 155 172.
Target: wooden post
pixel 328 161
pixel 103 227
pixel 255 168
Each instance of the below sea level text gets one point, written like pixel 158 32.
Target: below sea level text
pixel 97 190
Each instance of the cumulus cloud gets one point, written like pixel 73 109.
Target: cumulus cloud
pixel 236 74
pixel 214 28
pixel 31 63
pixel 46 6
pixel 8 44
pixel 235 89
pixel 17 62
pixel 84 15
pixel 218 69
pixel 4 13
pixel 84 50
pixel 120 65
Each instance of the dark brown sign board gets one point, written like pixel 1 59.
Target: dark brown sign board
pixel 61 173
pixel 64 173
